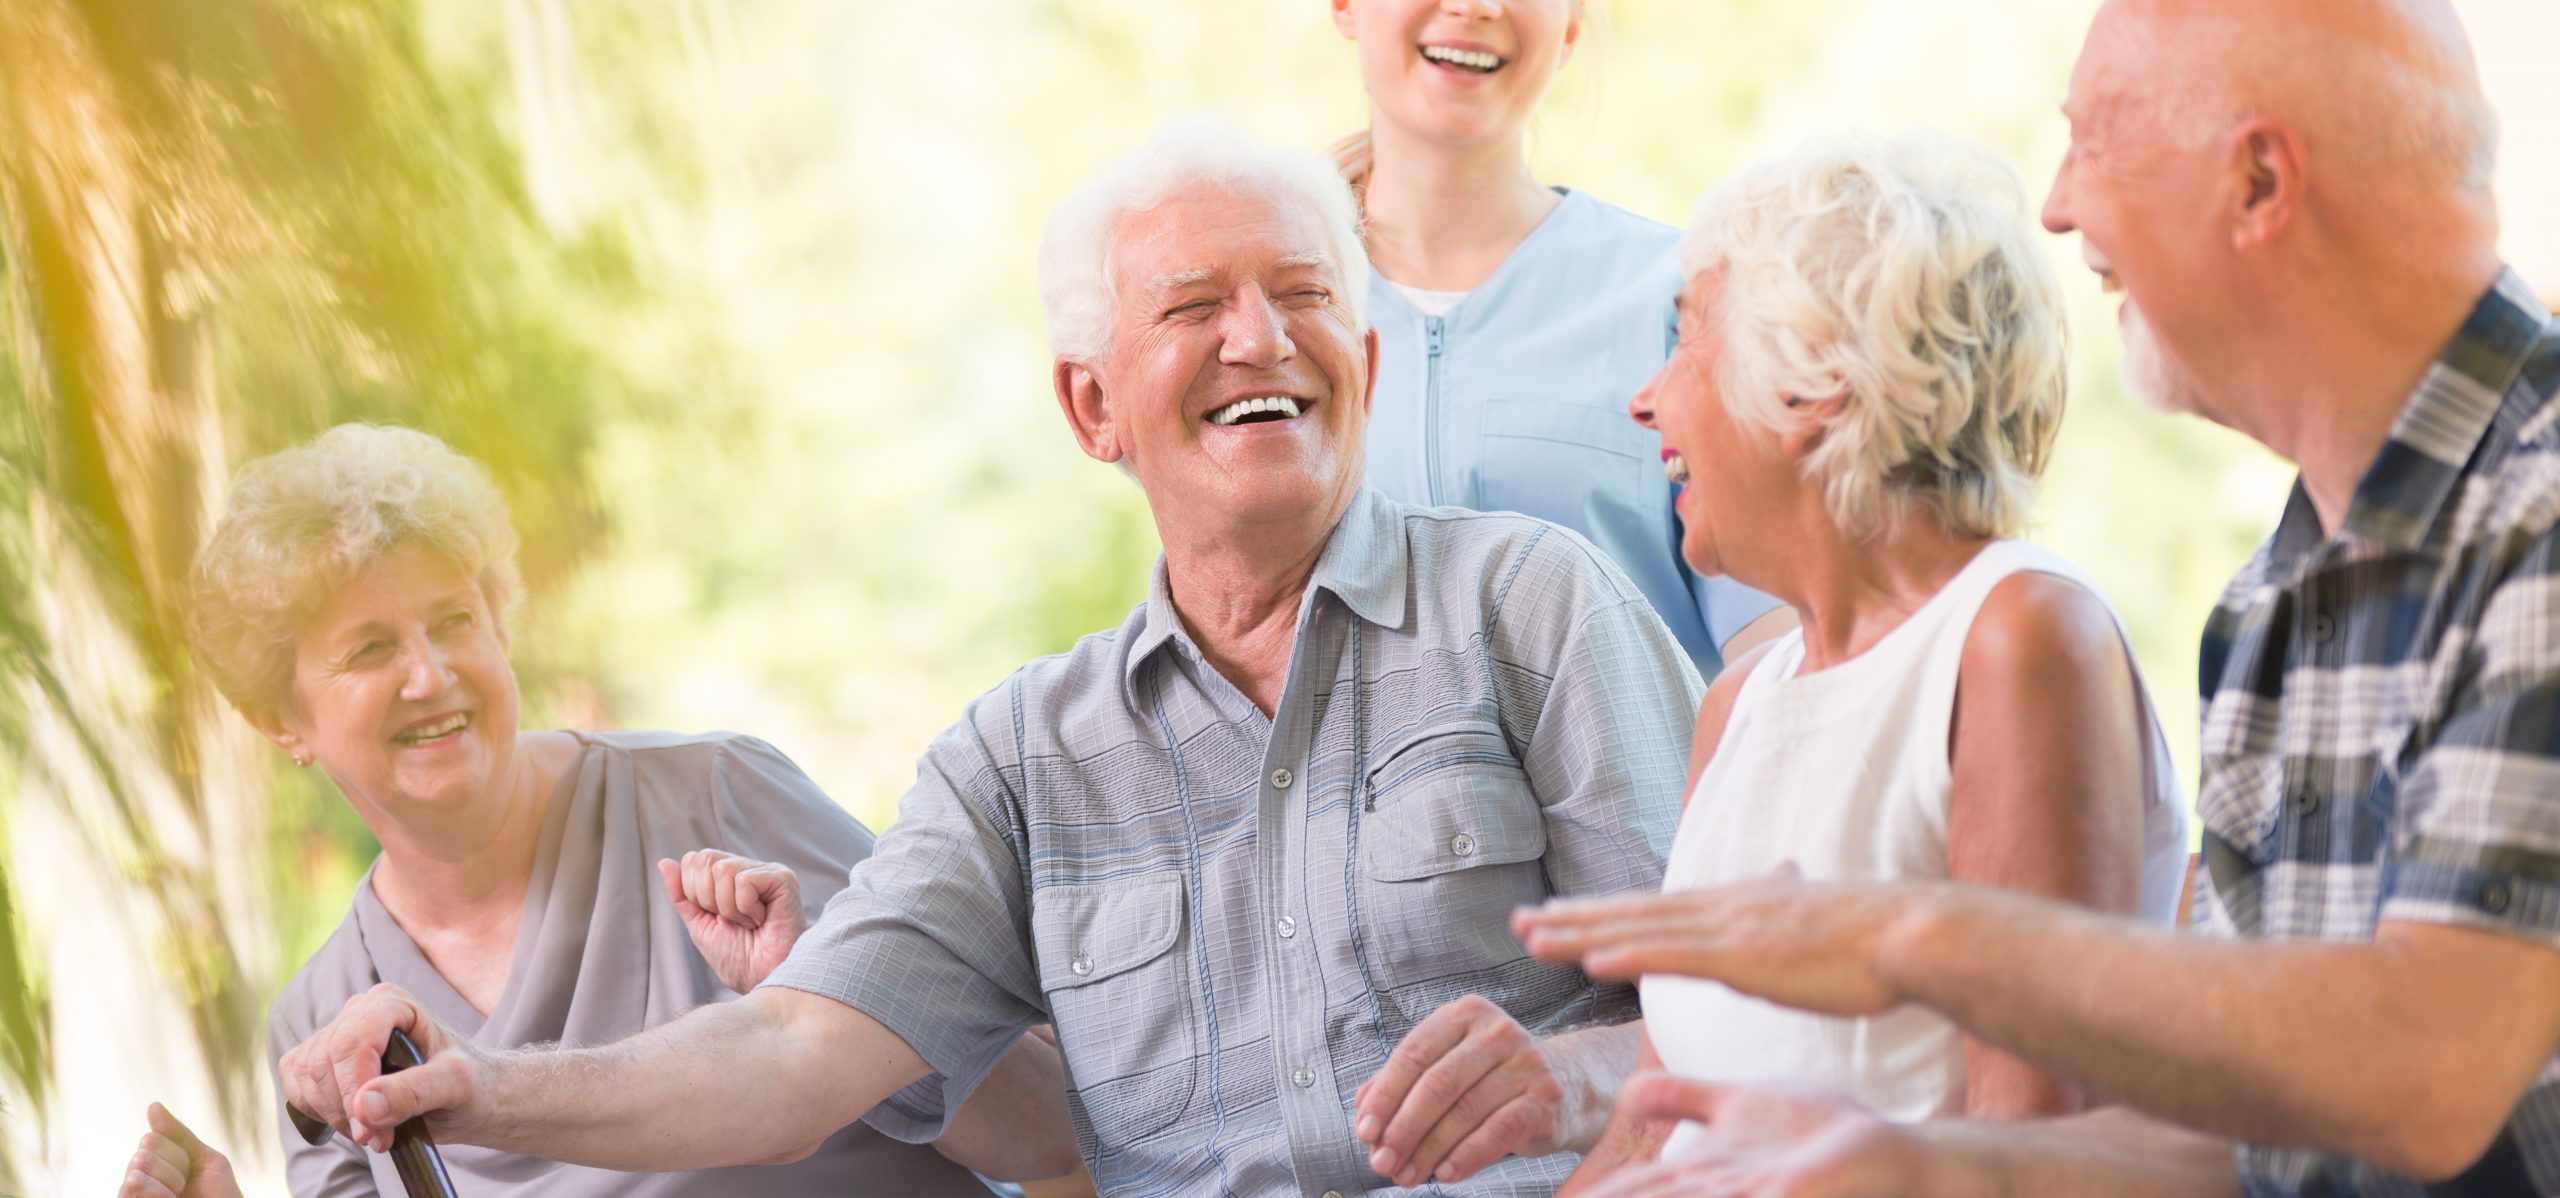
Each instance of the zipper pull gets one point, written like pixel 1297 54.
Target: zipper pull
pixel 1431 328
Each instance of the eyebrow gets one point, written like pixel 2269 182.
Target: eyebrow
pixel 1312 258
pixel 1183 278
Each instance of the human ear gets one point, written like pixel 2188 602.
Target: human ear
pixel 1806 419
pixel 2266 164
pixel 1572 33
pixel 1088 412
pixel 1343 20
pixel 272 724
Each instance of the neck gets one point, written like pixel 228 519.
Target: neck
pixel 1442 216
pixel 1850 593
pixel 1237 590
pixel 2329 410
pixel 448 877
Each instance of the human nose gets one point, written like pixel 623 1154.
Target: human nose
pixel 1640 405
pixel 1482 9
pixel 1256 334
pixel 2057 208
pixel 427 673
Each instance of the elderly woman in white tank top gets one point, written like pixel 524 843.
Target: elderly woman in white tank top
pixel 1872 354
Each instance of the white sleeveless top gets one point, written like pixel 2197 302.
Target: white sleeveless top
pixel 1845 773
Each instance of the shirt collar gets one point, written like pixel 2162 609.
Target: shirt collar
pixel 2423 461
pixel 1363 564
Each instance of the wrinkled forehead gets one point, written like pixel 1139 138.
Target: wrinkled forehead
pixel 1212 233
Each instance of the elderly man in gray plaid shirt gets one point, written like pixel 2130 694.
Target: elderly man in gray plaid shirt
pixel 2293 196
pixel 1254 852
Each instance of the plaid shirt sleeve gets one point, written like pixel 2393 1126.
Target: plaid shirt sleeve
pixel 2480 808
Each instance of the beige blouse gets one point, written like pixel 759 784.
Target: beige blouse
pixel 600 955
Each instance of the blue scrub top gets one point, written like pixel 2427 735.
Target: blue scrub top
pixel 1516 400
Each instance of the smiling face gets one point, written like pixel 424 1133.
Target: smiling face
pixel 1458 71
pixel 402 693
pixel 1741 471
pixel 1236 381
pixel 2144 207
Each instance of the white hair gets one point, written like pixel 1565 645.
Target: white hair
pixel 1076 253
pixel 1901 278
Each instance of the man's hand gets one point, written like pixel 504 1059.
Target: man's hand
pixel 743 915
pixel 336 1075
pixel 1466 1088
pixel 1767 1143
pixel 1812 946
pixel 173 1163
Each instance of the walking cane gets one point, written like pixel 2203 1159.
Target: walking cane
pixel 413 1151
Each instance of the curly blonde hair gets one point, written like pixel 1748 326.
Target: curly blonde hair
pixel 303 522
pixel 1903 279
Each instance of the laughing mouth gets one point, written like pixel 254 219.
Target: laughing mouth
pixel 1261 409
pixel 436 731
pixel 1478 61
pixel 1675 467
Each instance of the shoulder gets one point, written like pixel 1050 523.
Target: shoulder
pixel 1502 557
pixel 1612 241
pixel 2032 622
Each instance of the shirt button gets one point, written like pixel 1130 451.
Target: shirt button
pixel 2306 802
pixel 2323 627
pixel 1280 779
pixel 1333 1194
pixel 2494 896
pixel 1288 927
pixel 1081 966
pixel 1463 845
pixel 1305 1077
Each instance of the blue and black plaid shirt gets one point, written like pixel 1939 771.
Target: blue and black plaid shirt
pixel 2382 710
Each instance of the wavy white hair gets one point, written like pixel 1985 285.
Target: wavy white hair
pixel 1076 252
pixel 1902 278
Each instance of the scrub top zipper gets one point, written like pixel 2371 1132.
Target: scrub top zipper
pixel 1432 417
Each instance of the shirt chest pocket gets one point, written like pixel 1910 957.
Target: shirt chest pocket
pixel 1116 966
pixel 1455 841
pixel 1569 462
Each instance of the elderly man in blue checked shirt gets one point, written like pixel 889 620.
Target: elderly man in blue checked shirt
pixel 2293 196
pixel 1240 849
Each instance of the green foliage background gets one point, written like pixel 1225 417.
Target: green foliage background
pixel 735 301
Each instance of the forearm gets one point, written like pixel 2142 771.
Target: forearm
pixel 1627 1138
pixel 761 1080
pixel 2112 1153
pixel 2237 1038
pixel 1015 1126
pixel 1590 1064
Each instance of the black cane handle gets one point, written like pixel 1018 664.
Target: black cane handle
pixel 413 1151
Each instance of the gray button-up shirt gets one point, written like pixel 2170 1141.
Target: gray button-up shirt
pixel 1232 919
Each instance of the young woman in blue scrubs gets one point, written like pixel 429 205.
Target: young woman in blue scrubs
pixel 1514 319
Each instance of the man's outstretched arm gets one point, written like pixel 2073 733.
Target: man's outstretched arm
pixel 762 1080
pixel 2238 1038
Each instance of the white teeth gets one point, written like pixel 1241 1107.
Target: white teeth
pixel 1676 468
pixel 444 727
pixel 1242 408
pixel 1474 59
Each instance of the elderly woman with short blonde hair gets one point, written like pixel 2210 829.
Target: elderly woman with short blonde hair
pixel 533 886
pixel 1873 357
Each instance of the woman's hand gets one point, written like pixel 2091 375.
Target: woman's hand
pixel 173 1163
pixel 744 915
pixel 1768 1142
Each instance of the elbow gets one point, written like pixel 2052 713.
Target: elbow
pixel 2434 1149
